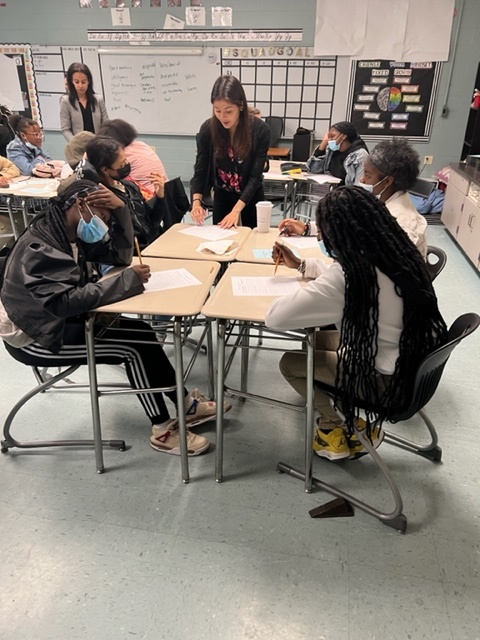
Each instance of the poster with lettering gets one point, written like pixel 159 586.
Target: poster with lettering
pixel 393 98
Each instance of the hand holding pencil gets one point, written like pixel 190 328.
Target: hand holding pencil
pixel 142 270
pixel 283 255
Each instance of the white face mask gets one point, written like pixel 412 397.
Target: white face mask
pixel 371 187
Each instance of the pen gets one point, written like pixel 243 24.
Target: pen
pixel 278 261
pixel 284 230
pixel 137 247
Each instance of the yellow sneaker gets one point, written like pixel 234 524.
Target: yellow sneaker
pixel 331 444
pixel 356 448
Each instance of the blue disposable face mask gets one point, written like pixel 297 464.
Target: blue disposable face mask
pixel 323 249
pixel 92 231
pixel 333 145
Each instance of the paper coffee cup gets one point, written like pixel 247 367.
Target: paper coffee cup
pixel 264 216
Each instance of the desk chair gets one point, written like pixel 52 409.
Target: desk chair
pixel 426 381
pixel 436 260
pixel 276 125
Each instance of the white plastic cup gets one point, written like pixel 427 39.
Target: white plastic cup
pixel 264 216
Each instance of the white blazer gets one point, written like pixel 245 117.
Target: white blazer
pixel 71 120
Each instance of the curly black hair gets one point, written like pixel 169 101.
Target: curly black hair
pixel 365 238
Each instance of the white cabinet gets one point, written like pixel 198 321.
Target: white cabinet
pixel 468 236
pixel 461 214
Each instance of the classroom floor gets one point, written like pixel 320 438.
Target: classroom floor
pixel 134 553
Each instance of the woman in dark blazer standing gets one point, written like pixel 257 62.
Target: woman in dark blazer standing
pixel 232 149
pixel 81 109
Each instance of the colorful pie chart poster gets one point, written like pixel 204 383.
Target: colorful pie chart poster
pixel 390 98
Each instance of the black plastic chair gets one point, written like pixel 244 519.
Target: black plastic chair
pixel 435 266
pixel 276 129
pixel 424 386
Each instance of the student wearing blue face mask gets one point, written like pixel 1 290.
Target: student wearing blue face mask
pixel 25 151
pixel 47 289
pixel 341 154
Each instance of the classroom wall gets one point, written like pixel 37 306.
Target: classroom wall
pixel 63 22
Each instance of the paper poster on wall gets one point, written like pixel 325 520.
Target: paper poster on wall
pixel 121 17
pixel 195 16
pixel 18 89
pixel 222 16
pixel 171 22
pixel 393 98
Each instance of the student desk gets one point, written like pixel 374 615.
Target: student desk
pixel 278 186
pixel 264 242
pixel 25 190
pixel 181 303
pixel 173 244
pixel 279 153
pixel 223 306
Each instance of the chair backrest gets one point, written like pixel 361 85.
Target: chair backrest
pixel 431 368
pixel 276 129
pixel 176 203
pixel 423 187
pixel 435 265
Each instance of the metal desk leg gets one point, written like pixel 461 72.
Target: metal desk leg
pixel 219 398
pixel 12 216
pixel 182 425
pixel 309 425
pixel 244 356
pixel 25 212
pixel 94 393
pixel 211 370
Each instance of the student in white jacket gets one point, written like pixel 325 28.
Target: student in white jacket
pixel 379 296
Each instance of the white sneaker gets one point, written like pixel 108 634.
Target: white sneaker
pixel 167 440
pixel 202 410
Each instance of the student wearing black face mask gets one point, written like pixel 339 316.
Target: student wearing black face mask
pixel 106 162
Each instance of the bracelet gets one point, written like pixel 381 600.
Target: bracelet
pixel 301 268
pixel 306 231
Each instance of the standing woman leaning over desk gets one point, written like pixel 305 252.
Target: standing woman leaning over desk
pixel 81 109
pixel 232 149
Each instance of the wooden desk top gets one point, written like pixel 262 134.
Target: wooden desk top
pixel 223 304
pixel 184 301
pixel 260 241
pixel 173 244
pixel 279 152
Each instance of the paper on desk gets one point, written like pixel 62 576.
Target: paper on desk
pixel 219 247
pixel 171 279
pixel 323 178
pixel 267 253
pixel 302 242
pixel 264 286
pixel 209 232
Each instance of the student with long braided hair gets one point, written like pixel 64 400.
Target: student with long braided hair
pixel 46 290
pixel 379 295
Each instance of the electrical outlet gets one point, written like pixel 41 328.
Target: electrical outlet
pixel 428 160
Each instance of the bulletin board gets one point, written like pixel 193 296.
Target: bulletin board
pixel 393 98
pixel 17 88
pixel 292 85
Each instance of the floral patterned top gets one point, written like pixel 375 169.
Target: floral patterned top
pixel 229 175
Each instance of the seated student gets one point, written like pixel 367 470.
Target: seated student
pixel 106 157
pixel 142 159
pixel 46 291
pixel 7 171
pixel 25 150
pixel 389 172
pixel 341 153
pixel 74 153
pixel 378 293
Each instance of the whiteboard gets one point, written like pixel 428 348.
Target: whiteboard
pixel 160 94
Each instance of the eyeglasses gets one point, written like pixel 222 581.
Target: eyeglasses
pixel 35 134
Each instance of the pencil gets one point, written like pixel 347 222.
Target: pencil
pixel 137 247
pixel 278 261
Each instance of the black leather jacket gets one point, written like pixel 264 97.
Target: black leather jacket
pixel 42 286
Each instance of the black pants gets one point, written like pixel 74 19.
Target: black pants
pixel 224 201
pixel 134 346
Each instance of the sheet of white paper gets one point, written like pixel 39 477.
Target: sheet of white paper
pixel 171 22
pixel 10 90
pixel 209 232
pixel 262 253
pixel 121 17
pixel 195 16
pixel 219 247
pixel 263 286
pixel 302 242
pixel 171 279
pixel 428 32
pixel 385 30
pixel 322 178
pixel 222 16
pixel 340 27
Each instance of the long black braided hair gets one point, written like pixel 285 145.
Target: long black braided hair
pixel 364 236
pixel 49 224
